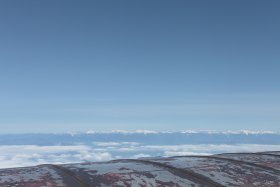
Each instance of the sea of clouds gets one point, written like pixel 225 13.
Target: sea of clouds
pixel 34 149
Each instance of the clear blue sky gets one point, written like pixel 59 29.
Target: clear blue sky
pixel 157 65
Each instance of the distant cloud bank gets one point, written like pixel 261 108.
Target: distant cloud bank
pixel 33 149
pixel 29 155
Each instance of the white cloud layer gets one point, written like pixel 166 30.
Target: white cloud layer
pixel 28 155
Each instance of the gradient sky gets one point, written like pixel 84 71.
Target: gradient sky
pixel 156 65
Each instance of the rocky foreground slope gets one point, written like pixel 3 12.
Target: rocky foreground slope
pixel 230 169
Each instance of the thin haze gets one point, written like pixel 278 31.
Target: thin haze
pixel 155 65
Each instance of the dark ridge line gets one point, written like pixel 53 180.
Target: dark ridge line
pixel 270 153
pixel 68 172
pixel 266 168
pixel 258 153
pixel 190 175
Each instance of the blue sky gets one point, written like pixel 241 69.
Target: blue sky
pixel 157 65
